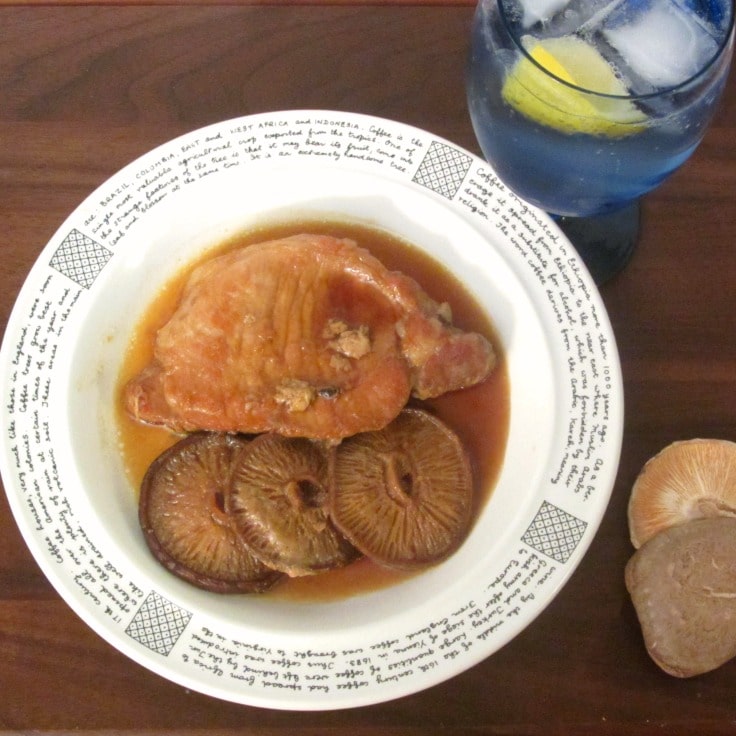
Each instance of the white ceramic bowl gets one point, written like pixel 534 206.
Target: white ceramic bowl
pixel 63 349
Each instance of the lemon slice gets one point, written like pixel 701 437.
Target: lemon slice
pixel 541 97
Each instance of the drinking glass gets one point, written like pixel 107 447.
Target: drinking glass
pixel 583 106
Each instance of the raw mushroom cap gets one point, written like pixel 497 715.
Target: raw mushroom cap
pixel 687 480
pixel 403 495
pixel 279 503
pixel 683 585
pixel 184 518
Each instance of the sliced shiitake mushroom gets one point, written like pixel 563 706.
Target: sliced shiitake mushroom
pixel 184 517
pixel 403 495
pixel 683 585
pixel 687 480
pixel 280 490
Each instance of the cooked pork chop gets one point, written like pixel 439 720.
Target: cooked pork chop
pixel 306 336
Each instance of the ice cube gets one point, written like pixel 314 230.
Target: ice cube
pixel 665 45
pixel 540 10
pixel 573 16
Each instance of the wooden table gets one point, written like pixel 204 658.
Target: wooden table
pixel 85 89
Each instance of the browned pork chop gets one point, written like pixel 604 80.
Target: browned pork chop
pixel 306 336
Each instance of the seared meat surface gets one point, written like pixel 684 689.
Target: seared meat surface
pixel 306 336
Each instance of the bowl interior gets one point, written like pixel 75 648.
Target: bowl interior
pixel 202 216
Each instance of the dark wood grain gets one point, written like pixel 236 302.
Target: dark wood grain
pixel 84 90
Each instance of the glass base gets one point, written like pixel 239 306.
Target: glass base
pixel 604 242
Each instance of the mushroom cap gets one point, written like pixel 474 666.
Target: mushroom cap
pixel 184 518
pixel 403 495
pixel 687 480
pixel 280 488
pixel 682 583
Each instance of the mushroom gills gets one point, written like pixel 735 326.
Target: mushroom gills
pixel 403 495
pixel 279 503
pixel 687 480
pixel 185 519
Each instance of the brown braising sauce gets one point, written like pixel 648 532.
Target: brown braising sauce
pixel 479 415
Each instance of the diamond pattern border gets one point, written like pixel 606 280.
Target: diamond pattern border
pixel 158 623
pixel 443 169
pixel 80 258
pixel 554 532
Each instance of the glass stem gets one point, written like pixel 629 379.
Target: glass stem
pixel 604 242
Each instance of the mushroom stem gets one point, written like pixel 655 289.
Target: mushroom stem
pixel 398 477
